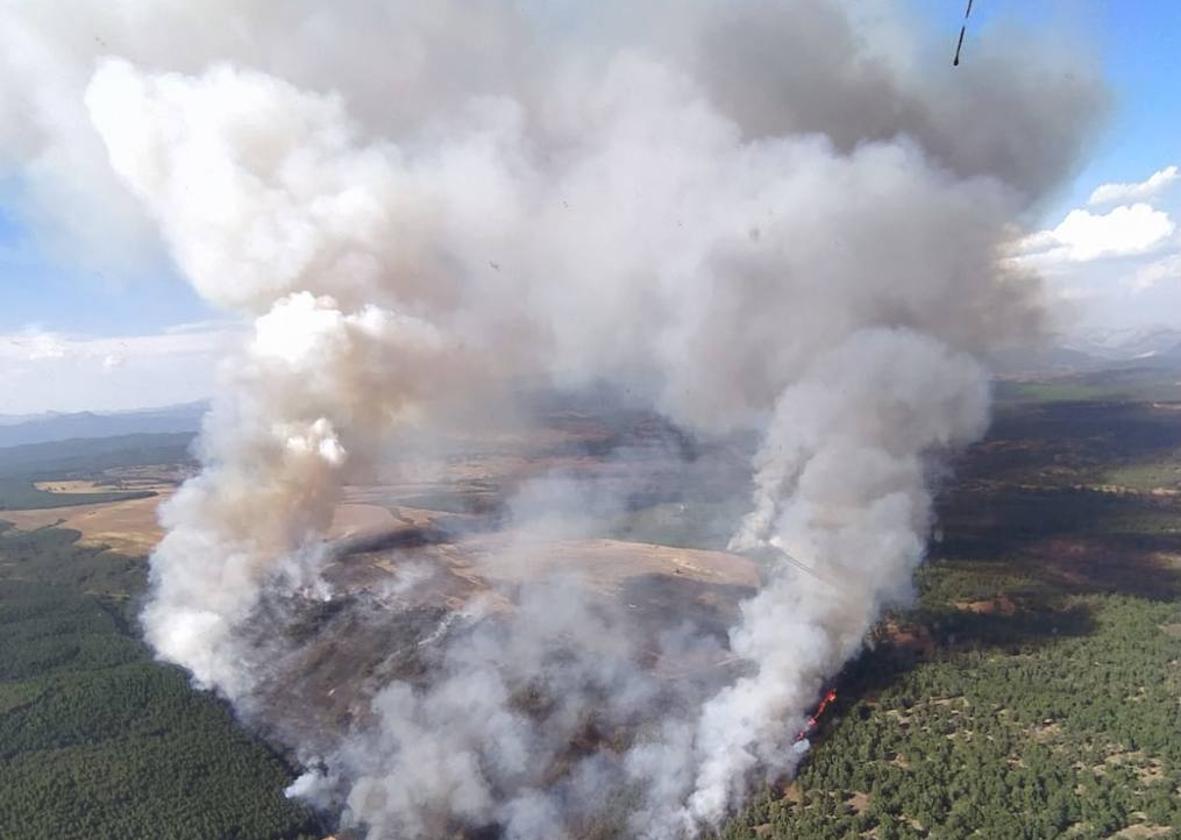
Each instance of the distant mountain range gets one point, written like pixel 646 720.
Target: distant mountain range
pixel 1156 347
pixel 53 426
pixel 1129 344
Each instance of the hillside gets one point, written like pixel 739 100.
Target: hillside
pixel 45 428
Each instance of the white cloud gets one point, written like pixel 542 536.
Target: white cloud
pixel 1113 266
pixel 212 325
pixel 43 346
pixel 39 345
pixel 1084 236
pixel 1154 273
pixel 46 371
pixel 1113 192
pixel 31 344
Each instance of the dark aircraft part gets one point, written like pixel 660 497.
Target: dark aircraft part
pixel 963 29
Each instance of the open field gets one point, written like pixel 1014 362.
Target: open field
pixel 131 527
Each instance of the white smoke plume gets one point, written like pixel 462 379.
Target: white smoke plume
pixel 775 218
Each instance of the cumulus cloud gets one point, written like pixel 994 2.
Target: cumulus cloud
pixel 1159 271
pixel 33 344
pixel 1157 182
pixel 42 370
pixel 1084 236
pixel 1112 266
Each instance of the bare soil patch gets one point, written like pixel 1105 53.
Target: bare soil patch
pixel 1001 604
pixel 131 527
pixel 1134 832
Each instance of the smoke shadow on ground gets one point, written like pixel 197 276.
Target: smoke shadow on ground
pixel 937 634
pixel 955 629
pixel 1023 539
pixel 1064 440
pixel 413 536
pixel 1069 542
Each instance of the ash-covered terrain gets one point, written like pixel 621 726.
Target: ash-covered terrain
pixel 585 559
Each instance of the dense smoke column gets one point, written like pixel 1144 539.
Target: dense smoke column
pixel 763 217
pixel 841 488
pixel 306 363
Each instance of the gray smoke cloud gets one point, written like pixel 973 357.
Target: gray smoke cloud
pixel 768 218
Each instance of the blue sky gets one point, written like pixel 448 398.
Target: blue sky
pixel 1141 43
pixel 1137 42
pixel 39 290
pixel 60 317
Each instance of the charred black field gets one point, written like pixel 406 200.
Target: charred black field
pixel 1030 692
